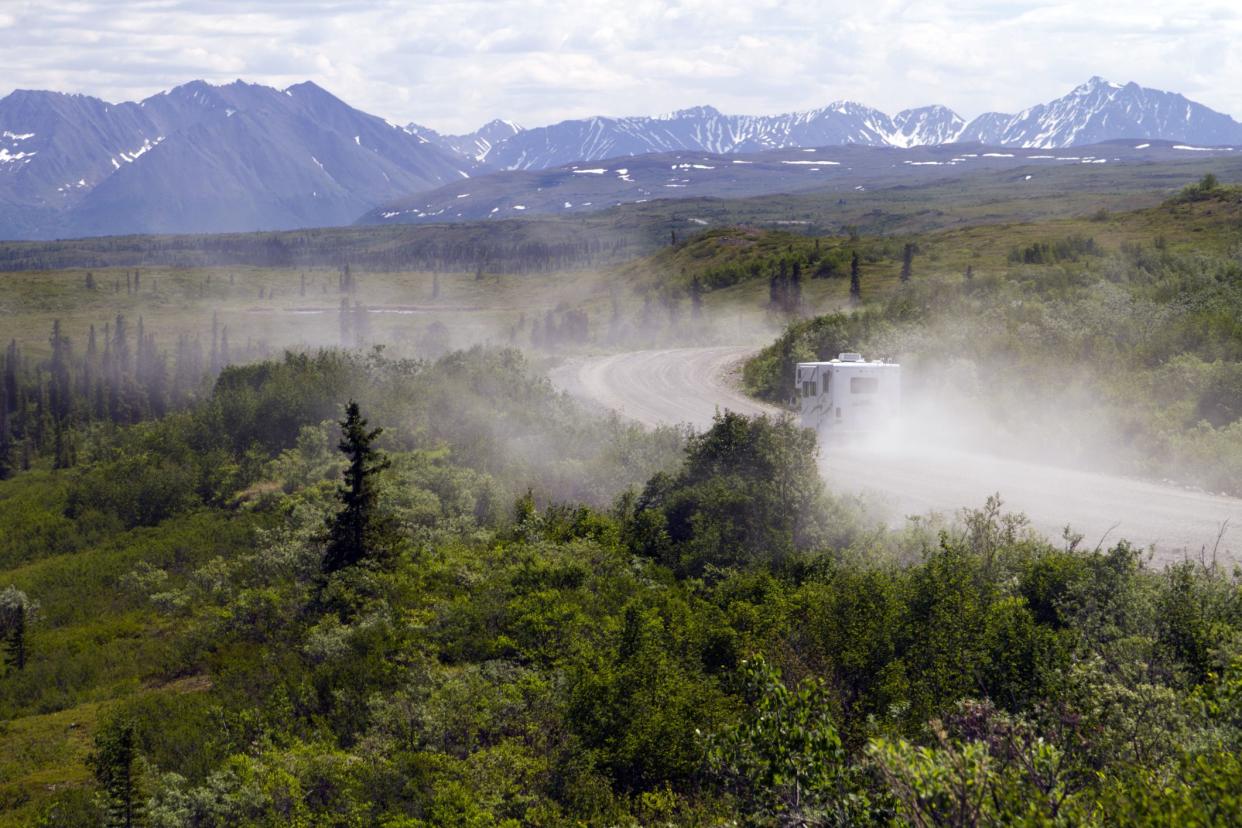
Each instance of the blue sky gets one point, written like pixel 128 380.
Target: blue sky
pixel 453 65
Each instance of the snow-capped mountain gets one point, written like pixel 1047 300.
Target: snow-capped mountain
pixel 925 126
pixel 702 128
pixel 1101 111
pixel 1095 111
pixel 203 158
pixel 474 145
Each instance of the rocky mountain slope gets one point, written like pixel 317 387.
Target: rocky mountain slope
pixel 203 158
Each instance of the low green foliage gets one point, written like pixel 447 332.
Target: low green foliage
pixel 542 646
pixel 1124 357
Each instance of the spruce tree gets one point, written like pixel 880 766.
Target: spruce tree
pixel 6 437
pixel 794 292
pixel 11 359
pixel 696 299
pixel 345 319
pixel 15 654
pixel 113 764
pixel 353 531
pixel 907 261
pixel 15 608
pixel 855 279
pixel 60 391
pixel 214 358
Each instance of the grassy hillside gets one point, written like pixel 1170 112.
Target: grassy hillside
pixel 542 244
pixel 1111 339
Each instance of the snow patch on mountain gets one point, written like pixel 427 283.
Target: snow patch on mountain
pixel 1095 111
pixel 1100 110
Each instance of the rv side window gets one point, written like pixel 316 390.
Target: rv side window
pixel 808 388
pixel 864 385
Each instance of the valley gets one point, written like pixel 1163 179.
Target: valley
pixel 499 518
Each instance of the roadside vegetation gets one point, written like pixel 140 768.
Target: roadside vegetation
pixel 415 610
pixel 248 587
pixel 1112 340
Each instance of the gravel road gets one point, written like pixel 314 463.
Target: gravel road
pixel 690 384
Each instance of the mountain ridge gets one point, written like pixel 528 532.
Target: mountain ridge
pixel 204 157
pixel 1092 112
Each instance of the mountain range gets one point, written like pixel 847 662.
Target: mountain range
pixel 1093 112
pixel 205 158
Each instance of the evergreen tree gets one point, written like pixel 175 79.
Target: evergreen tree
pixel 62 446
pixel 352 532
pixel 15 609
pixel 345 318
pixel 15 650
pixel 214 358
pixel 907 261
pixel 550 333
pixel 113 764
pixel 855 279
pixel 696 299
pixel 120 345
pixel 60 391
pixel 11 358
pixel 6 437
pixel 970 272
pixel 362 325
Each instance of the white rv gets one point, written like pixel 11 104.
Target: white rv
pixel 848 394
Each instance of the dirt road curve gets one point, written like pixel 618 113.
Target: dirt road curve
pixel 690 384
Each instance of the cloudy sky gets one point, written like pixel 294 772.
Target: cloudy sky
pixel 453 65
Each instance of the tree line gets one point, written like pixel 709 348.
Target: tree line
pixel 120 376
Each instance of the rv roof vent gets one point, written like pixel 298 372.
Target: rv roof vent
pixel 848 357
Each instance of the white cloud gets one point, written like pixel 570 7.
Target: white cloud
pixel 452 64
